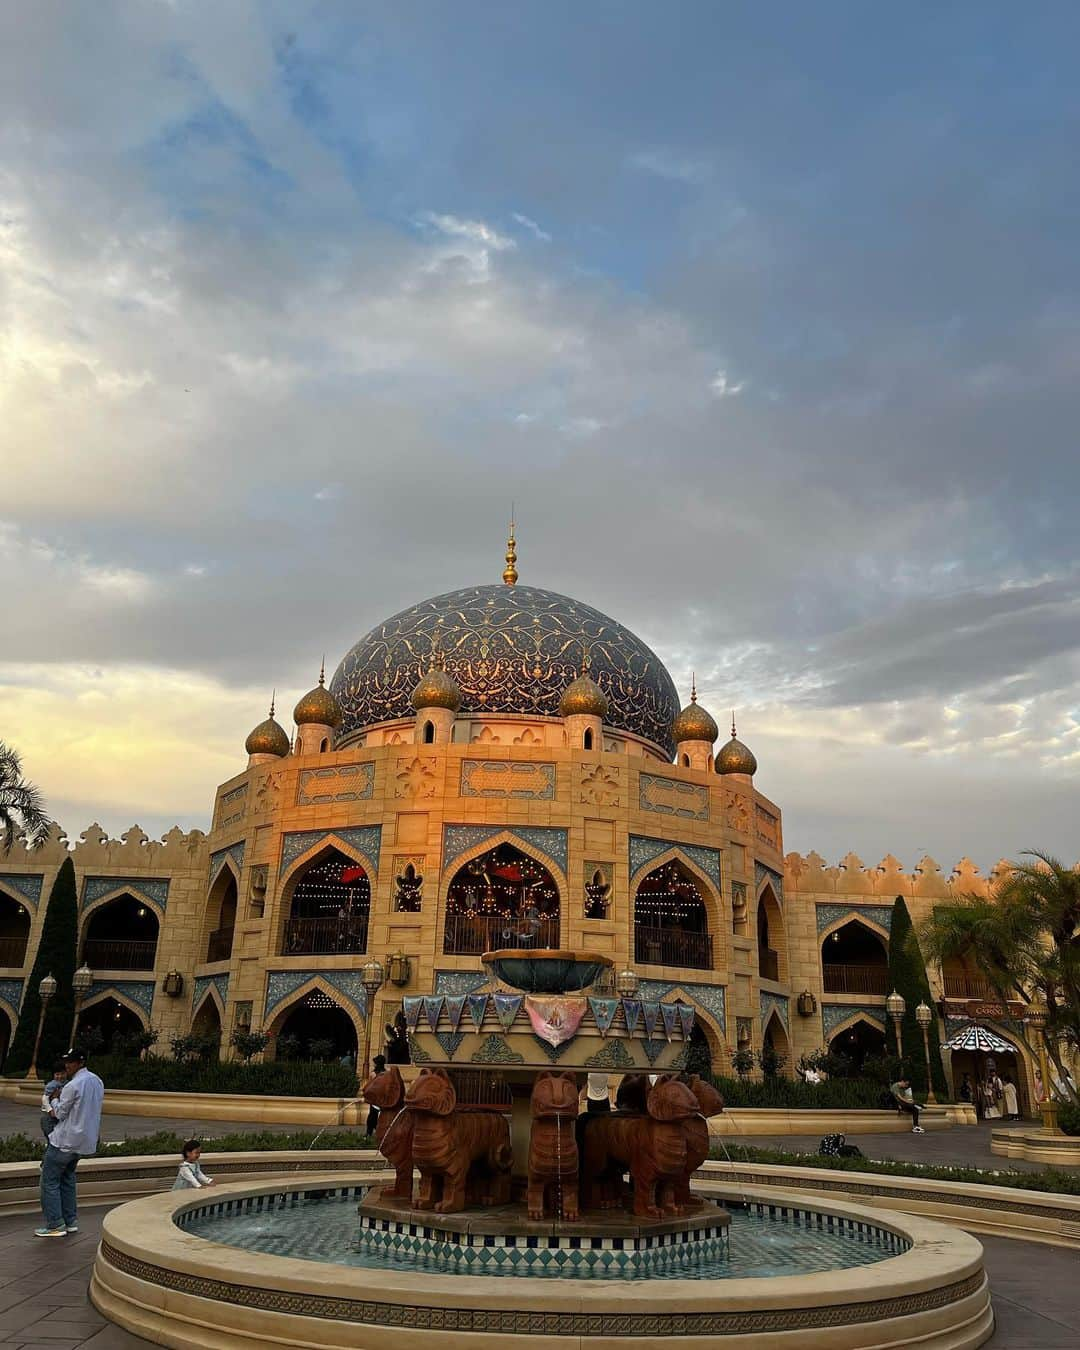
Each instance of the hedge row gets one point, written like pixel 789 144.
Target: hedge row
pixel 275 1078
pixel 789 1094
pixel 20 1148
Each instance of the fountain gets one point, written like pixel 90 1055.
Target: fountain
pixel 594 1224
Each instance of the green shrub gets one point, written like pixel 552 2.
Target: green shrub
pixel 20 1148
pixel 851 1094
pixel 293 1078
pixel 1069 1117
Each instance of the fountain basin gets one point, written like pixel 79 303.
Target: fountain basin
pixel 546 970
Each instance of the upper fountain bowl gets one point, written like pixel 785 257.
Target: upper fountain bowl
pixel 543 971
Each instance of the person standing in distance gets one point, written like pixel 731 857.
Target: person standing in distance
pixel 75 1136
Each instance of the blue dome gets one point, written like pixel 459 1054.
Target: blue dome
pixel 511 649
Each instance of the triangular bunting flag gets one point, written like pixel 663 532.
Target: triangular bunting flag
pixel 477 1005
pixel 632 1012
pixel 671 1013
pixel 603 1010
pixel 555 1018
pixel 455 1006
pixel 650 1013
pixel 506 1008
pixel 686 1017
pixel 432 1008
pixel 412 1006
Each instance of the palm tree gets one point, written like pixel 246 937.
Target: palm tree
pixel 21 804
pixel 1025 939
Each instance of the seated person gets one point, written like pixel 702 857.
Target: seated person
pixel 191 1176
pixel 901 1091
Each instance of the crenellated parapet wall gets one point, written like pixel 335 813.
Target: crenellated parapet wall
pixel 808 874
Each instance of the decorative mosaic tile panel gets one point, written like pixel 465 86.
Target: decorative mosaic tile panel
pixel 232 806
pixel 644 849
pixel 502 778
pixel 364 839
pixel 545 839
pixel 832 1014
pixel 203 984
pixel 281 983
pixel 459 981
pixel 139 992
pixel 879 914
pixel 768 1003
pixel 217 860
pixel 763 874
pixel 496 1051
pixel 342 783
pixel 670 797
pixel 711 997
pixel 11 992
pixel 151 888
pixel 28 887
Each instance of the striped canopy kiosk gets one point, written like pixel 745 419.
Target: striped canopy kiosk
pixel 980 1041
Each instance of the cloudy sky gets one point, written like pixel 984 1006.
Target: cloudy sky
pixel 767 317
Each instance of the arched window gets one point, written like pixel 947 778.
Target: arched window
pixel 221 916
pixel 587 739
pixel 429 733
pixel 686 761
pixel 121 935
pixel 671 923
pixel 858 1041
pixel 107 1022
pixel 771 947
pixel 331 902
pixel 324 745
pixel 504 898
pixel 207 1024
pixel 317 1028
pixel 854 960
pixel 14 930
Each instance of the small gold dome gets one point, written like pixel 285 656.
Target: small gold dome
pixel 436 689
pixel 734 757
pixel 694 723
pixel 319 706
pixel 583 697
pixel 268 738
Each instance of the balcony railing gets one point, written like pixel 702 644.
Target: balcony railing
pixel 671 947
pixel 326 937
pixel 219 947
pixel 12 951
pixel 969 986
pixel 768 964
pixel 119 954
pixel 472 936
pixel 841 978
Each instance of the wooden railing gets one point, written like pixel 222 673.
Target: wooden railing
pixel 841 978
pixel 768 964
pixel 12 951
pixel 472 936
pixel 969 986
pixel 326 937
pixel 119 953
pixel 671 947
pixel 219 947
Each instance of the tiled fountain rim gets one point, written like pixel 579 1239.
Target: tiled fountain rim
pixel 140 1241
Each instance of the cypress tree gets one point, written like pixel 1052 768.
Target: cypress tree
pixel 55 957
pixel 907 975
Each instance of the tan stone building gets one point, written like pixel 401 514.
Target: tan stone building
pixel 492 767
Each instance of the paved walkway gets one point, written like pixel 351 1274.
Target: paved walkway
pixel 43 1303
pixel 962 1146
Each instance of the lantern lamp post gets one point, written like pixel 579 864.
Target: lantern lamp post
pixel 924 1016
pixel 1035 1016
pixel 46 989
pixel 896 1007
pixel 372 976
pixel 80 984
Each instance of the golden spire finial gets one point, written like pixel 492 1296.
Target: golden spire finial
pixel 733 724
pixel 322 670
pixel 510 572
pixel 273 700
pixel 693 686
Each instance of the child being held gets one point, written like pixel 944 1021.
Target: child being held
pixel 51 1096
pixel 191 1176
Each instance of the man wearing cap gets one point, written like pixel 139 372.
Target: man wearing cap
pixel 78 1122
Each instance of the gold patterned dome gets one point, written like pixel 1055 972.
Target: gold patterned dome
pixel 693 723
pixel 436 689
pixel 734 757
pixel 319 707
pixel 268 738
pixel 584 698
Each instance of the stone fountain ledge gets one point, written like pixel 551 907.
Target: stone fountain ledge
pixel 180 1290
pixel 1036 1145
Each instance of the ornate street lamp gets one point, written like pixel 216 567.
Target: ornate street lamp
pixel 372 976
pixel 80 984
pixel 924 1016
pixel 1035 1016
pixel 896 1007
pixel 46 989
pixel 626 983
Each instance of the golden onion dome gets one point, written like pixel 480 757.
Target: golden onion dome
pixel 734 757
pixel 437 689
pixel 268 738
pixel 319 707
pixel 693 723
pixel 583 697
